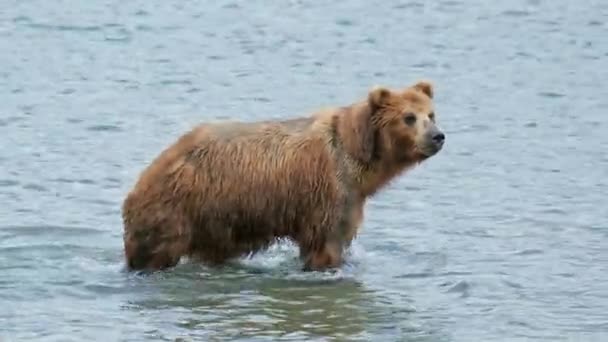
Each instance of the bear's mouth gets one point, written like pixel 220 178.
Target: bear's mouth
pixel 429 150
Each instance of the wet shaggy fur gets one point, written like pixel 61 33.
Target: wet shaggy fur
pixel 229 189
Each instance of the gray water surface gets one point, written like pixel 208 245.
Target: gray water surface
pixel 503 236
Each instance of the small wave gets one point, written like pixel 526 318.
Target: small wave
pixel 531 124
pixel 14 119
pixel 14 231
pixel 462 287
pixel 516 13
pixel 512 284
pixel 345 22
pixel 416 275
pixel 455 273
pixel 550 94
pixel 74 120
pixel 8 183
pixel 169 82
pixel 526 252
pixel 67 180
pixel 38 247
pixel 35 187
pixel 27 21
pixel 104 128
pixel 407 5
pixel 107 289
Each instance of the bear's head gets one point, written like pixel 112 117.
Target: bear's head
pixel 392 130
pixel 394 126
pixel 405 122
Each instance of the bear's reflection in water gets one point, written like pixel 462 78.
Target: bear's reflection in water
pixel 241 301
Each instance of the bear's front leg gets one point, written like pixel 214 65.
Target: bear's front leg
pixel 326 256
pixel 351 227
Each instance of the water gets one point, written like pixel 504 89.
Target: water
pixel 501 237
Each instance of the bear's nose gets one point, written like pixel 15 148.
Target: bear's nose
pixel 439 138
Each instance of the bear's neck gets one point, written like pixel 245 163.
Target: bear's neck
pixel 374 177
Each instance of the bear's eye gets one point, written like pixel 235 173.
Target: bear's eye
pixel 410 119
pixel 432 116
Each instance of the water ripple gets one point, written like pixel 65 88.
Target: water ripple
pixel 8 183
pixel 104 128
pixel 20 231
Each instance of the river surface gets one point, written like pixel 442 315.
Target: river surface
pixel 503 236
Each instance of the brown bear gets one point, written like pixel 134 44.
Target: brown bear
pixel 229 189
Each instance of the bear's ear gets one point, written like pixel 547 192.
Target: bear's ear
pixel 425 87
pixel 378 96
